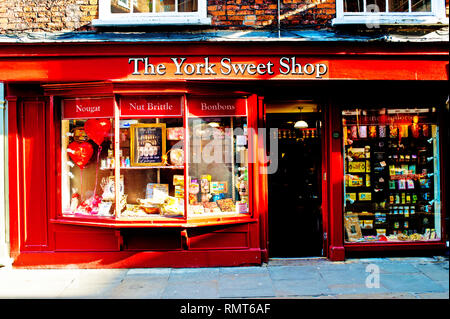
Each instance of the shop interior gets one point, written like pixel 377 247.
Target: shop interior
pixel 295 221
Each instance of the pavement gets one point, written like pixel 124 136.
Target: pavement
pixel 305 278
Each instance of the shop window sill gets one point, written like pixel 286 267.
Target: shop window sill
pixel 151 21
pixel 156 221
pixel 373 21
pixel 383 245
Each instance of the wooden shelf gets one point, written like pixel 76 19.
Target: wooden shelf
pixel 148 167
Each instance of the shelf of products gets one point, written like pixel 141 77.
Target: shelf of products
pixel 391 175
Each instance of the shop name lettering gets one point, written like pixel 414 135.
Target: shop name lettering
pixel 287 66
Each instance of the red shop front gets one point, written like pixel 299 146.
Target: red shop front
pixel 118 158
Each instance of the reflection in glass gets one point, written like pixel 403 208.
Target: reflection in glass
pixel 187 6
pixel 353 6
pixel 142 6
pixel 398 6
pixel 376 6
pixel 421 5
pixel 153 6
pixel 120 6
pixel 164 5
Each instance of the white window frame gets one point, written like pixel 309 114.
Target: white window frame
pixel 435 17
pixel 106 18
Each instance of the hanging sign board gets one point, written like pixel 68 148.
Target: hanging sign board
pixel 150 106
pixel 216 106
pixel 88 108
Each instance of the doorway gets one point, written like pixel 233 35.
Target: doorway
pixel 295 215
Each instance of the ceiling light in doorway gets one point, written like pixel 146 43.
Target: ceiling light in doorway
pixel 301 124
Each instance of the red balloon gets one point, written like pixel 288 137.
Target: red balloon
pixel 97 129
pixel 82 153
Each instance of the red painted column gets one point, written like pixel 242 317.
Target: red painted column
pixel 13 176
pixel 335 181
pixel 263 181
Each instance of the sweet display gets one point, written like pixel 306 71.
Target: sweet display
pixel 155 182
pixel 391 175
pixel 155 187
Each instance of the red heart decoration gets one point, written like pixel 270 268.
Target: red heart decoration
pixel 97 129
pixel 81 153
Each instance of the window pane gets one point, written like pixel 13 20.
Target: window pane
pixel 152 168
pixel 120 6
pixel 353 6
pixel 398 6
pixel 218 163
pixel 421 5
pixel 376 6
pixel 142 6
pixel 83 150
pixel 187 6
pixel 392 187
pixel 164 5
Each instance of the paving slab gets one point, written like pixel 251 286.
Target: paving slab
pixel 41 283
pixel 305 287
pixel 397 268
pixel 88 291
pixel 377 296
pixel 355 288
pixel 433 295
pixel 151 272
pixel 191 290
pixel 414 283
pixel 194 274
pixel 342 277
pixel 294 273
pixel 138 287
pixel 246 282
pixel 434 271
pixel 192 283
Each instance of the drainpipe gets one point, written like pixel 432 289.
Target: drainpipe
pixel 279 21
pixel 5 260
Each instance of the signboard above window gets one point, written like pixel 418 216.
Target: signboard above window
pixel 151 12
pixel 375 13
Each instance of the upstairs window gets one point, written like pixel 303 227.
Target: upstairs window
pixel 387 6
pixel 390 12
pixel 151 12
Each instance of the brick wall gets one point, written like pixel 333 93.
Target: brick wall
pixel 46 15
pixel 260 13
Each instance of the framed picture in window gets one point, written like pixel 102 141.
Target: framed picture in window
pixel 148 144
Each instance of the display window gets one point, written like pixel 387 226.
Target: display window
pixel 218 157
pixel 152 157
pixel 391 175
pixel 87 134
pixel 124 158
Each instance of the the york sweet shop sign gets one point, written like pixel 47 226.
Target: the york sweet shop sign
pixel 228 67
